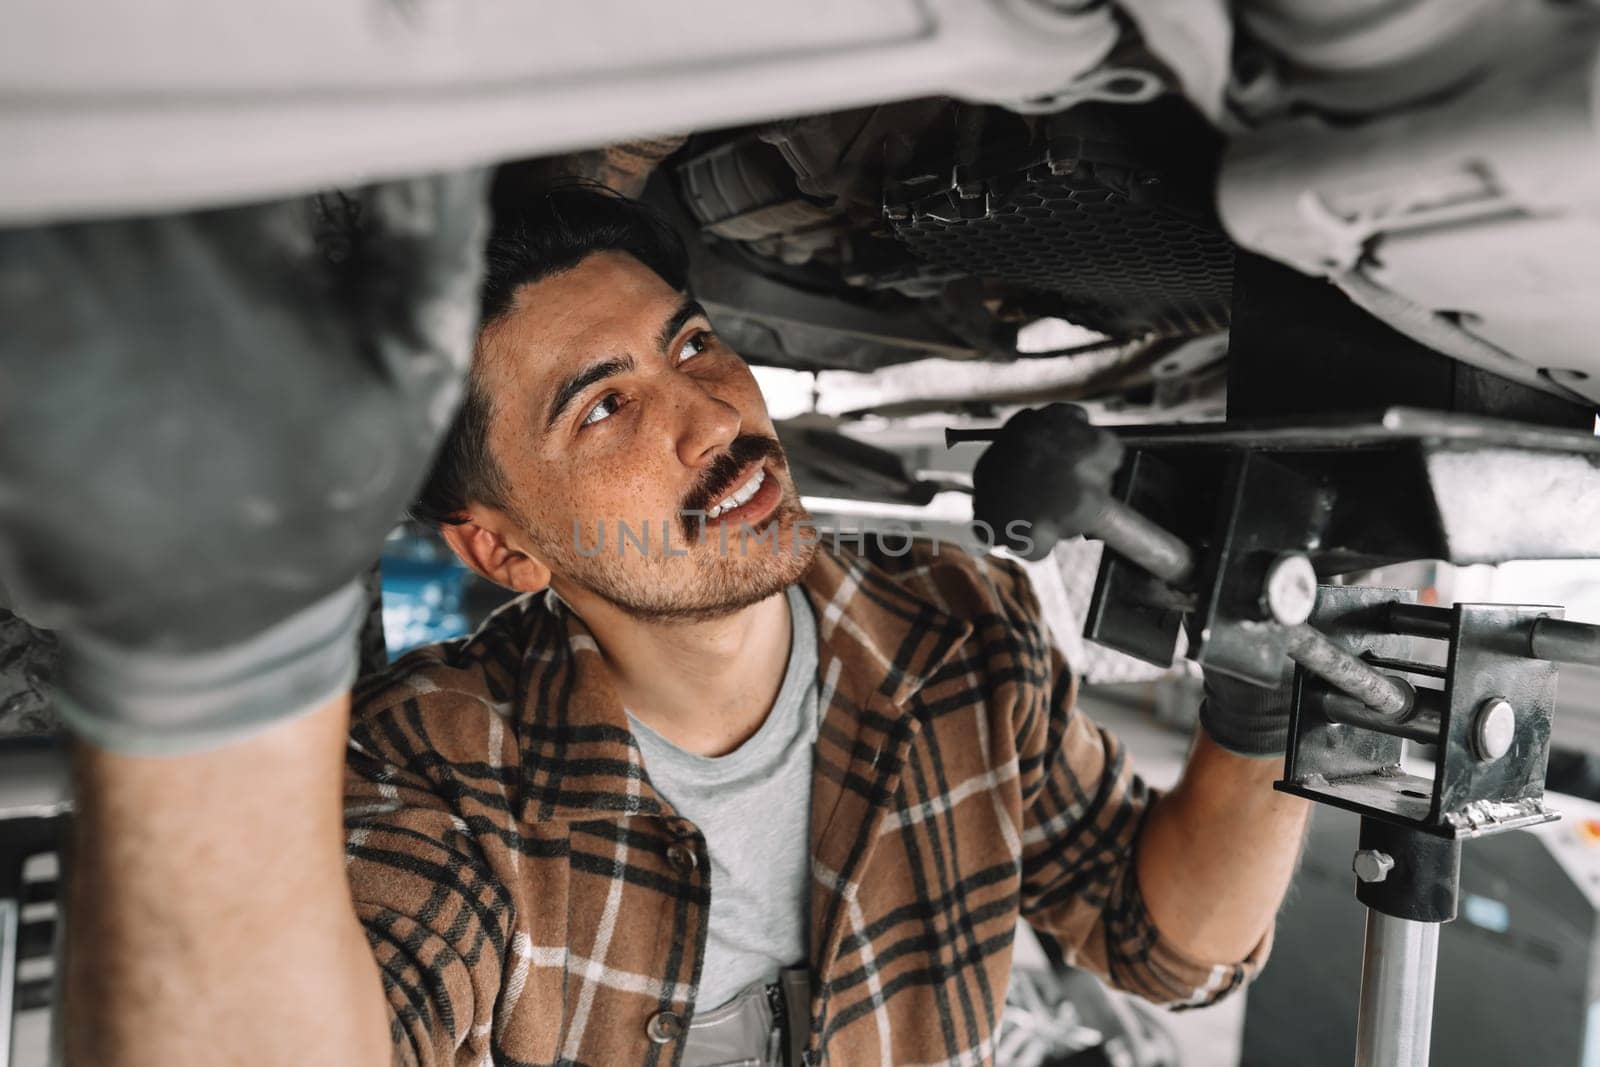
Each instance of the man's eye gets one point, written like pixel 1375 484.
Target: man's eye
pixel 604 410
pixel 694 344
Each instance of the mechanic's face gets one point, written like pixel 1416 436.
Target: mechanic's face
pixel 617 416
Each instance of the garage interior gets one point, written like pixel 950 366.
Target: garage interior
pixel 1328 277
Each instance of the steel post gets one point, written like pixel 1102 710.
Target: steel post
pixel 10 925
pixel 1395 1026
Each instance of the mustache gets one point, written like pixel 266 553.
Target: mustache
pixel 719 477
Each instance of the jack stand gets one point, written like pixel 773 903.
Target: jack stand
pixel 1409 880
pixel 1358 448
pixel 1490 727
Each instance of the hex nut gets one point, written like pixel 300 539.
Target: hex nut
pixel 1371 865
pixel 1290 591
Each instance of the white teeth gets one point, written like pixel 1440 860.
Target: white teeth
pixel 739 495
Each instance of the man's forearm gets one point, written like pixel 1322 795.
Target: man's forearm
pixel 209 920
pixel 1218 851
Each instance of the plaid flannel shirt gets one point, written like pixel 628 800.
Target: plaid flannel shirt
pixel 531 899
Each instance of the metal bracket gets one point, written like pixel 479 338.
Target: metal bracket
pixel 1490 660
pixel 1357 766
pixel 1131 611
pixel 1335 762
pixel 1267 509
pixel 1351 494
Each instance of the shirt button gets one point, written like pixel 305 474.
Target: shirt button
pixel 664 1026
pixel 682 857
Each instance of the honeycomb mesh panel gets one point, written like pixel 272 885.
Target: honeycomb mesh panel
pixel 1124 264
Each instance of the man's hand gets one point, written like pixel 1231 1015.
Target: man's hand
pixel 1245 719
pixel 1049 468
pixel 207 424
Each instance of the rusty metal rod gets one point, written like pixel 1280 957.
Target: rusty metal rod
pixel 1421 723
pixel 1345 672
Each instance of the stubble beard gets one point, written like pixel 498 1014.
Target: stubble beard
pixel 722 573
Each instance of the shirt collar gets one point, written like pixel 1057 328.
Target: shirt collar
pixel 877 644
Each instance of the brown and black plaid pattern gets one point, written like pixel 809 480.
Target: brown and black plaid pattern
pixel 530 898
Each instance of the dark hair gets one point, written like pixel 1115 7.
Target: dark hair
pixel 549 232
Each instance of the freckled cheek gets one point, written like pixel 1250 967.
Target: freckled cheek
pixel 635 493
pixel 554 494
pixel 652 490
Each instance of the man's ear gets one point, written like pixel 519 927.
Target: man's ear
pixel 480 542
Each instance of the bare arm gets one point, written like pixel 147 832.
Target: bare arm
pixel 1218 851
pixel 209 920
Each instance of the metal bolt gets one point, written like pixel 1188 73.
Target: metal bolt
pixel 1290 591
pixel 1494 728
pixel 1371 865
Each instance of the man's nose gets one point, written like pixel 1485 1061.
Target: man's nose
pixel 706 425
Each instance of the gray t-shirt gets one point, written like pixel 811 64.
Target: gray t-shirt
pixel 754 807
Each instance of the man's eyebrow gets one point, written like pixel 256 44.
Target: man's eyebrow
pixel 606 368
pixel 573 386
pixel 689 309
